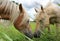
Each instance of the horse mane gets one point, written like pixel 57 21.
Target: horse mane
pixel 51 7
pixel 9 8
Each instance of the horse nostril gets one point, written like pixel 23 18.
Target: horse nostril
pixel 37 34
pixel 30 35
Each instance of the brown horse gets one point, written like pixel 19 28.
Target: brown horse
pixel 17 15
pixel 47 16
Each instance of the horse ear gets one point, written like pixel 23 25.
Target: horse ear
pixel 36 10
pixel 42 8
pixel 20 7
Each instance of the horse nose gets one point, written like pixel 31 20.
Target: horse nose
pixel 37 34
pixel 30 35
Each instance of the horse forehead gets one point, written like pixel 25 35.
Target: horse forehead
pixel 42 13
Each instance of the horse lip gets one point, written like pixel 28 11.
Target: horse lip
pixel 30 35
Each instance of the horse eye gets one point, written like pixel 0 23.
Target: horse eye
pixel 40 21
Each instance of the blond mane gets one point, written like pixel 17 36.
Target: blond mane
pixel 52 9
pixel 10 8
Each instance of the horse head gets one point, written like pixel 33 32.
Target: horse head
pixel 42 20
pixel 22 23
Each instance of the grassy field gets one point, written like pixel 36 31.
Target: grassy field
pixel 11 34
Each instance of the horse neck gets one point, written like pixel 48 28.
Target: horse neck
pixel 19 19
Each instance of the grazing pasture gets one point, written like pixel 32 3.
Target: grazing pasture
pixel 11 34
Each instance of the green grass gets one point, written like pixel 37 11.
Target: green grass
pixel 11 34
pixel 33 26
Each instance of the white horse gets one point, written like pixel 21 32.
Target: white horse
pixel 46 16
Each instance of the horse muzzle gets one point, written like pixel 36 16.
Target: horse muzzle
pixel 29 34
pixel 37 34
